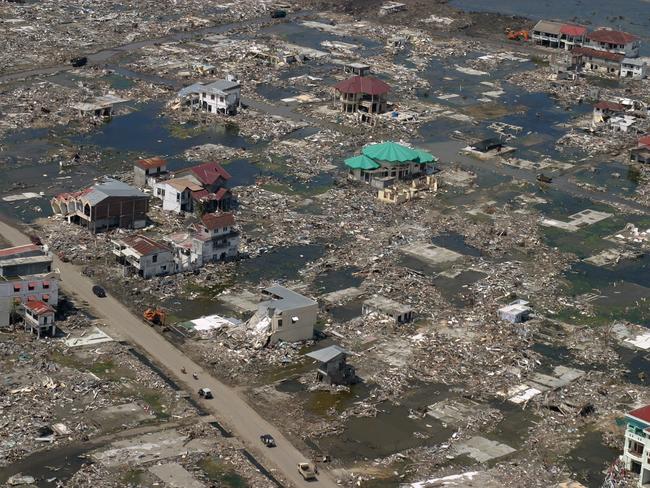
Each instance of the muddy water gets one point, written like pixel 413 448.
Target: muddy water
pixel 590 458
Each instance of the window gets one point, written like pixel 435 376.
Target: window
pixel 31 286
pixel 212 97
pixel 45 320
pixel 178 197
pixel 146 171
pixel 163 268
pixel 279 322
pixel 46 285
pixel 154 258
pixel 221 99
pixel 16 288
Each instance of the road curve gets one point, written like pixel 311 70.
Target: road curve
pixel 227 406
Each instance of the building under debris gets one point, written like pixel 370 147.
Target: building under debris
pixel 221 96
pixel 382 165
pixel 636 451
pixel 285 316
pixel 333 368
pixel 99 106
pixel 108 204
pixel 515 312
pixel 379 304
pixel 142 256
pixel 26 275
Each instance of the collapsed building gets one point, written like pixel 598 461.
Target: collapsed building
pixel 147 171
pixel 143 256
pixel 26 275
pixel 107 204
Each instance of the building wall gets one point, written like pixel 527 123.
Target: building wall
pixel 8 294
pixel 171 201
pixel 219 103
pixel 302 330
pixel 630 50
pixel 142 177
pixel 163 265
pixel 128 212
pixel 637 462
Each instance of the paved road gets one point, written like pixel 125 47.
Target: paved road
pixel 228 406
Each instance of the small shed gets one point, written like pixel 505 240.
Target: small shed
pixel 333 368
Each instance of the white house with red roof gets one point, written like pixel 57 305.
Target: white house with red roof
pixel 39 317
pixel 613 41
pixel 214 238
pixel 26 274
pixel 202 186
pixel 143 256
pixel 636 452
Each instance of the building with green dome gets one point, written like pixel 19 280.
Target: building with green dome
pixel 382 164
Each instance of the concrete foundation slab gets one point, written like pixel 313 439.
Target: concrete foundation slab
pixel 89 338
pixel 113 417
pixel 175 476
pixel 245 301
pixel 452 411
pixel 430 253
pixel 482 449
pixel 342 296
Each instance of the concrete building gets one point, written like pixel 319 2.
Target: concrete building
pixel 215 238
pixel 143 256
pixel 636 451
pixel 221 96
pixel 381 165
pixel 99 106
pixel 199 188
pixel 379 304
pixel 515 312
pixel 106 205
pixel 558 34
pixel 38 316
pixel 356 69
pixel 146 172
pixel 612 41
pixel 333 368
pixel 286 316
pixel 364 95
pixel 26 274
pixel 635 68
pixel 601 61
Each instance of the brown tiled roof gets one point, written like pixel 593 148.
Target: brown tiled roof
pixel 144 245
pixel 614 107
pixel 38 307
pixel 209 173
pixel 214 221
pixel 363 84
pixel 150 163
pixel 611 36
pixel 595 53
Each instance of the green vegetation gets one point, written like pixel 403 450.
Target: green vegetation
pixel 154 400
pixel 221 474
pixel 132 477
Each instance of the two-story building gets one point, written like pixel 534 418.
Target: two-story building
pixel 26 274
pixel 199 187
pixel 285 316
pixel 382 164
pixel 105 205
pixel 143 256
pixel 614 41
pixel 146 172
pixel 214 238
pixel 558 34
pixel 365 95
pixel 221 96
pixel 636 451
pixel 38 317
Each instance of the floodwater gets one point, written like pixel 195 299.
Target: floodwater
pixel 337 279
pixel 590 459
pixel 628 15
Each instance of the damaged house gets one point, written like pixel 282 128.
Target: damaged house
pixel 382 165
pixel 333 368
pixel 641 153
pixel 221 96
pixel 364 95
pixel 106 205
pixel 26 275
pixel 286 316
pixel 143 256
pixel 146 172
pixel 214 238
pixel 636 451
pixel 558 34
pixel 199 188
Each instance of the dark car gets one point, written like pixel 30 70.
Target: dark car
pixel 79 62
pixel 267 440
pixel 99 291
pixel 278 14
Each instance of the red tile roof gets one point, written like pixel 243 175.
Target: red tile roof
pixel 10 251
pixel 149 163
pixel 38 307
pixel 363 84
pixel 614 107
pixel 573 30
pixel 642 413
pixel 209 173
pixel 144 245
pixel 611 36
pixel 214 221
pixel 645 141
pixel 594 53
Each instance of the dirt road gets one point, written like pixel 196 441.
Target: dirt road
pixel 227 406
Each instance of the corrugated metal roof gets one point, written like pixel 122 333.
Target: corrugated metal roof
pixel 144 245
pixel 642 413
pixel 548 26
pixel 149 163
pixel 288 300
pixel 573 30
pixel 209 173
pixel 391 152
pixel 38 307
pixel 361 162
pixel 327 354
pixel 363 84
pixel 220 87
pixel 10 251
pixel 111 188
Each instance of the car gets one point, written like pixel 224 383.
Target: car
pixel 205 393
pixel 99 291
pixel 267 440
pixel 278 14
pixel 307 470
pixel 542 178
pixel 79 62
